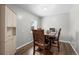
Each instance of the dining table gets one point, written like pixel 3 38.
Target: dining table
pixel 49 38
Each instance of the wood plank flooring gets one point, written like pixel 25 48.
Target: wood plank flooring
pixel 65 49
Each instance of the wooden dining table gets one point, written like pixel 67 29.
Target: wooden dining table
pixel 49 38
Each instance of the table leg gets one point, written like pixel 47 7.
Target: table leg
pixel 50 44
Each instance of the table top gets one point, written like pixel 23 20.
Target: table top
pixel 51 34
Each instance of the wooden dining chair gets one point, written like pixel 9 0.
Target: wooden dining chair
pixel 55 42
pixel 39 40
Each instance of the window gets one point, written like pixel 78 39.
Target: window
pixel 34 24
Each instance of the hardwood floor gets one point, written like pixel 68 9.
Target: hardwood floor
pixel 65 49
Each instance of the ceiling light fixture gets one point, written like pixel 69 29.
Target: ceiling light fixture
pixel 44 8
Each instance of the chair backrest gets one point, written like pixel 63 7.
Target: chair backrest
pixel 52 29
pixel 38 36
pixel 59 34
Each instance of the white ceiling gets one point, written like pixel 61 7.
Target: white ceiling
pixel 47 9
pixel 42 10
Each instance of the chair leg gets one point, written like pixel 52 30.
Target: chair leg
pixel 44 51
pixel 34 50
pixel 58 47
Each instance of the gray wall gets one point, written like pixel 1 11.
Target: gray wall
pixel 74 24
pixel 23 28
pixel 58 21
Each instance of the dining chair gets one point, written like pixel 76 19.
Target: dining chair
pixel 55 42
pixel 39 40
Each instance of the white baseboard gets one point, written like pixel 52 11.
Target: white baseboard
pixel 73 48
pixel 23 45
pixel 64 41
pixel 70 44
